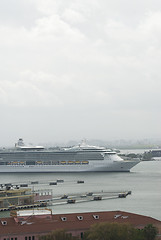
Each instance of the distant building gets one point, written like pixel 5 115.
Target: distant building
pixel 19 198
pixel 29 224
pixel 15 197
pixel 43 195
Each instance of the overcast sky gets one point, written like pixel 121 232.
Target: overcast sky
pixel 73 69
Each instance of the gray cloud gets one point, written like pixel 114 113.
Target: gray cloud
pixel 74 69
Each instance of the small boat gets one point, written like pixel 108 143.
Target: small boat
pixel 122 195
pixel 64 196
pixel 53 183
pixel 71 201
pixel 80 181
pixel 97 198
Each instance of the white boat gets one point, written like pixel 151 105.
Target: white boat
pixel 81 158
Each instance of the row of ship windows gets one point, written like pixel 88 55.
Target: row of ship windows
pixel 47 156
pixel 45 163
pixel 47 153
pixel 53 159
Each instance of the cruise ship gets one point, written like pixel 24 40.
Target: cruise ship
pixel 81 158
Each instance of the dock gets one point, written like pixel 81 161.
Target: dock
pixel 87 197
pixel 15 196
pixel 30 206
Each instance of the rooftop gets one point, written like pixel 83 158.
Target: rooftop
pixel 44 222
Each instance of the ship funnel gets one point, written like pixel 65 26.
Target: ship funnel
pixel 20 143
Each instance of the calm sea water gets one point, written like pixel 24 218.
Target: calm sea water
pixel 144 181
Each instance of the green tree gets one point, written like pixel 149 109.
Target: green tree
pixel 136 234
pixel 150 232
pixel 58 235
pixel 113 231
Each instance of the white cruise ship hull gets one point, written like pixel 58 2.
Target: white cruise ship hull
pixel 82 158
pixel 117 166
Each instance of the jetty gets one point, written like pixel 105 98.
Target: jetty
pixel 34 194
pixel 87 197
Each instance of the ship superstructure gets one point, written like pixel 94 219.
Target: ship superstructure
pixel 81 158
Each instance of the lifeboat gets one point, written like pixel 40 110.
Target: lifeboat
pixel 39 162
pixel 85 162
pixel 70 162
pixel 63 162
pixel 77 162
